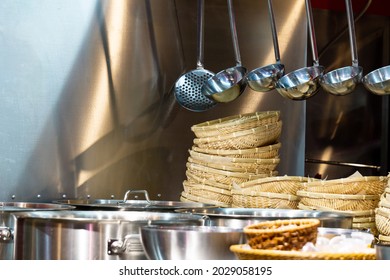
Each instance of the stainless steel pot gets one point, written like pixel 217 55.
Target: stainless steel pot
pixel 132 205
pixel 7 222
pixel 89 235
pixel 241 217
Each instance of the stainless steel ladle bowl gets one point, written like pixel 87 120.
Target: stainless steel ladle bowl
pixel 303 83
pixel 227 85
pixel 263 79
pixel 343 81
pixel 378 81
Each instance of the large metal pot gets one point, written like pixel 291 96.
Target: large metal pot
pixel 126 204
pixel 241 217
pixel 89 235
pixel 7 222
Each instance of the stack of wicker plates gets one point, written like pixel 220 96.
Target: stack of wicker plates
pixel 271 192
pixel 382 217
pixel 358 196
pixel 235 149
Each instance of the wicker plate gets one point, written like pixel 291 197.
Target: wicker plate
pixel 244 253
pixel 253 199
pixel 235 123
pixel 277 184
pixel 382 220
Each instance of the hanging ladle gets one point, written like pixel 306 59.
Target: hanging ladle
pixel 188 88
pixel 378 81
pixel 263 79
pixel 303 83
pixel 343 81
pixel 228 84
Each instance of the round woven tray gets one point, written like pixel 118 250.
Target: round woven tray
pixel 208 192
pixel 384 239
pixel 355 213
pixel 384 203
pixel 245 139
pixel 244 253
pixel 263 152
pixel 252 199
pixel 235 123
pixel 185 197
pixel 382 220
pixel 277 184
pixel 225 177
pixel 369 185
pixel 338 201
pixel 287 234
pixel 200 180
pixel 255 168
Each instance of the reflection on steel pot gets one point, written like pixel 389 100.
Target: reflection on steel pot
pixel 241 217
pixel 90 235
pixel 7 222
pixel 382 251
pixel 190 242
pixel 132 205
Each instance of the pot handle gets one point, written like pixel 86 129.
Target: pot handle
pixel 6 234
pixel 130 243
pixel 125 198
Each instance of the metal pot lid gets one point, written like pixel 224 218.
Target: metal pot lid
pixel 265 213
pixel 30 206
pixel 141 205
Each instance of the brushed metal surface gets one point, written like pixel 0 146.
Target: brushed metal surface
pixel 85 87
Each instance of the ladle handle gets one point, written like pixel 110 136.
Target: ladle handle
pixel 234 32
pixel 274 32
pixel 351 29
pixel 313 40
pixel 200 35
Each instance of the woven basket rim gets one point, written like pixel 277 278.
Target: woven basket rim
pixel 281 254
pixel 355 213
pixel 385 212
pixel 347 180
pixel 189 197
pixel 384 203
pixel 257 130
pixel 303 193
pixel 290 197
pixel 282 178
pixel 383 237
pixel 214 158
pixel 261 149
pixel 207 187
pixel 302 224
pixel 244 175
pixel 233 120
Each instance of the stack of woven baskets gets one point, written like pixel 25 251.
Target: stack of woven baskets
pixel 382 217
pixel 278 192
pixel 235 149
pixel 358 196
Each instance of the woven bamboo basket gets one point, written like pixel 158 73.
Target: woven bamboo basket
pixel 382 220
pixel 245 139
pixel 235 123
pixel 338 201
pixel 384 239
pixel 355 213
pixel 186 197
pixel 244 253
pixel 225 177
pixel 255 168
pixel 205 181
pixel 262 152
pixel 384 203
pixel 363 185
pixel 208 192
pixel 276 184
pixel 242 199
pixel 287 234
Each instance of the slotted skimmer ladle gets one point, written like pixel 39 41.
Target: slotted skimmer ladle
pixel 228 84
pixel 188 88
pixel 343 81
pixel 263 79
pixel 303 83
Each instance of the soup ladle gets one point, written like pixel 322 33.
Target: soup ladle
pixel 227 85
pixel 263 79
pixel 343 81
pixel 378 81
pixel 303 83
